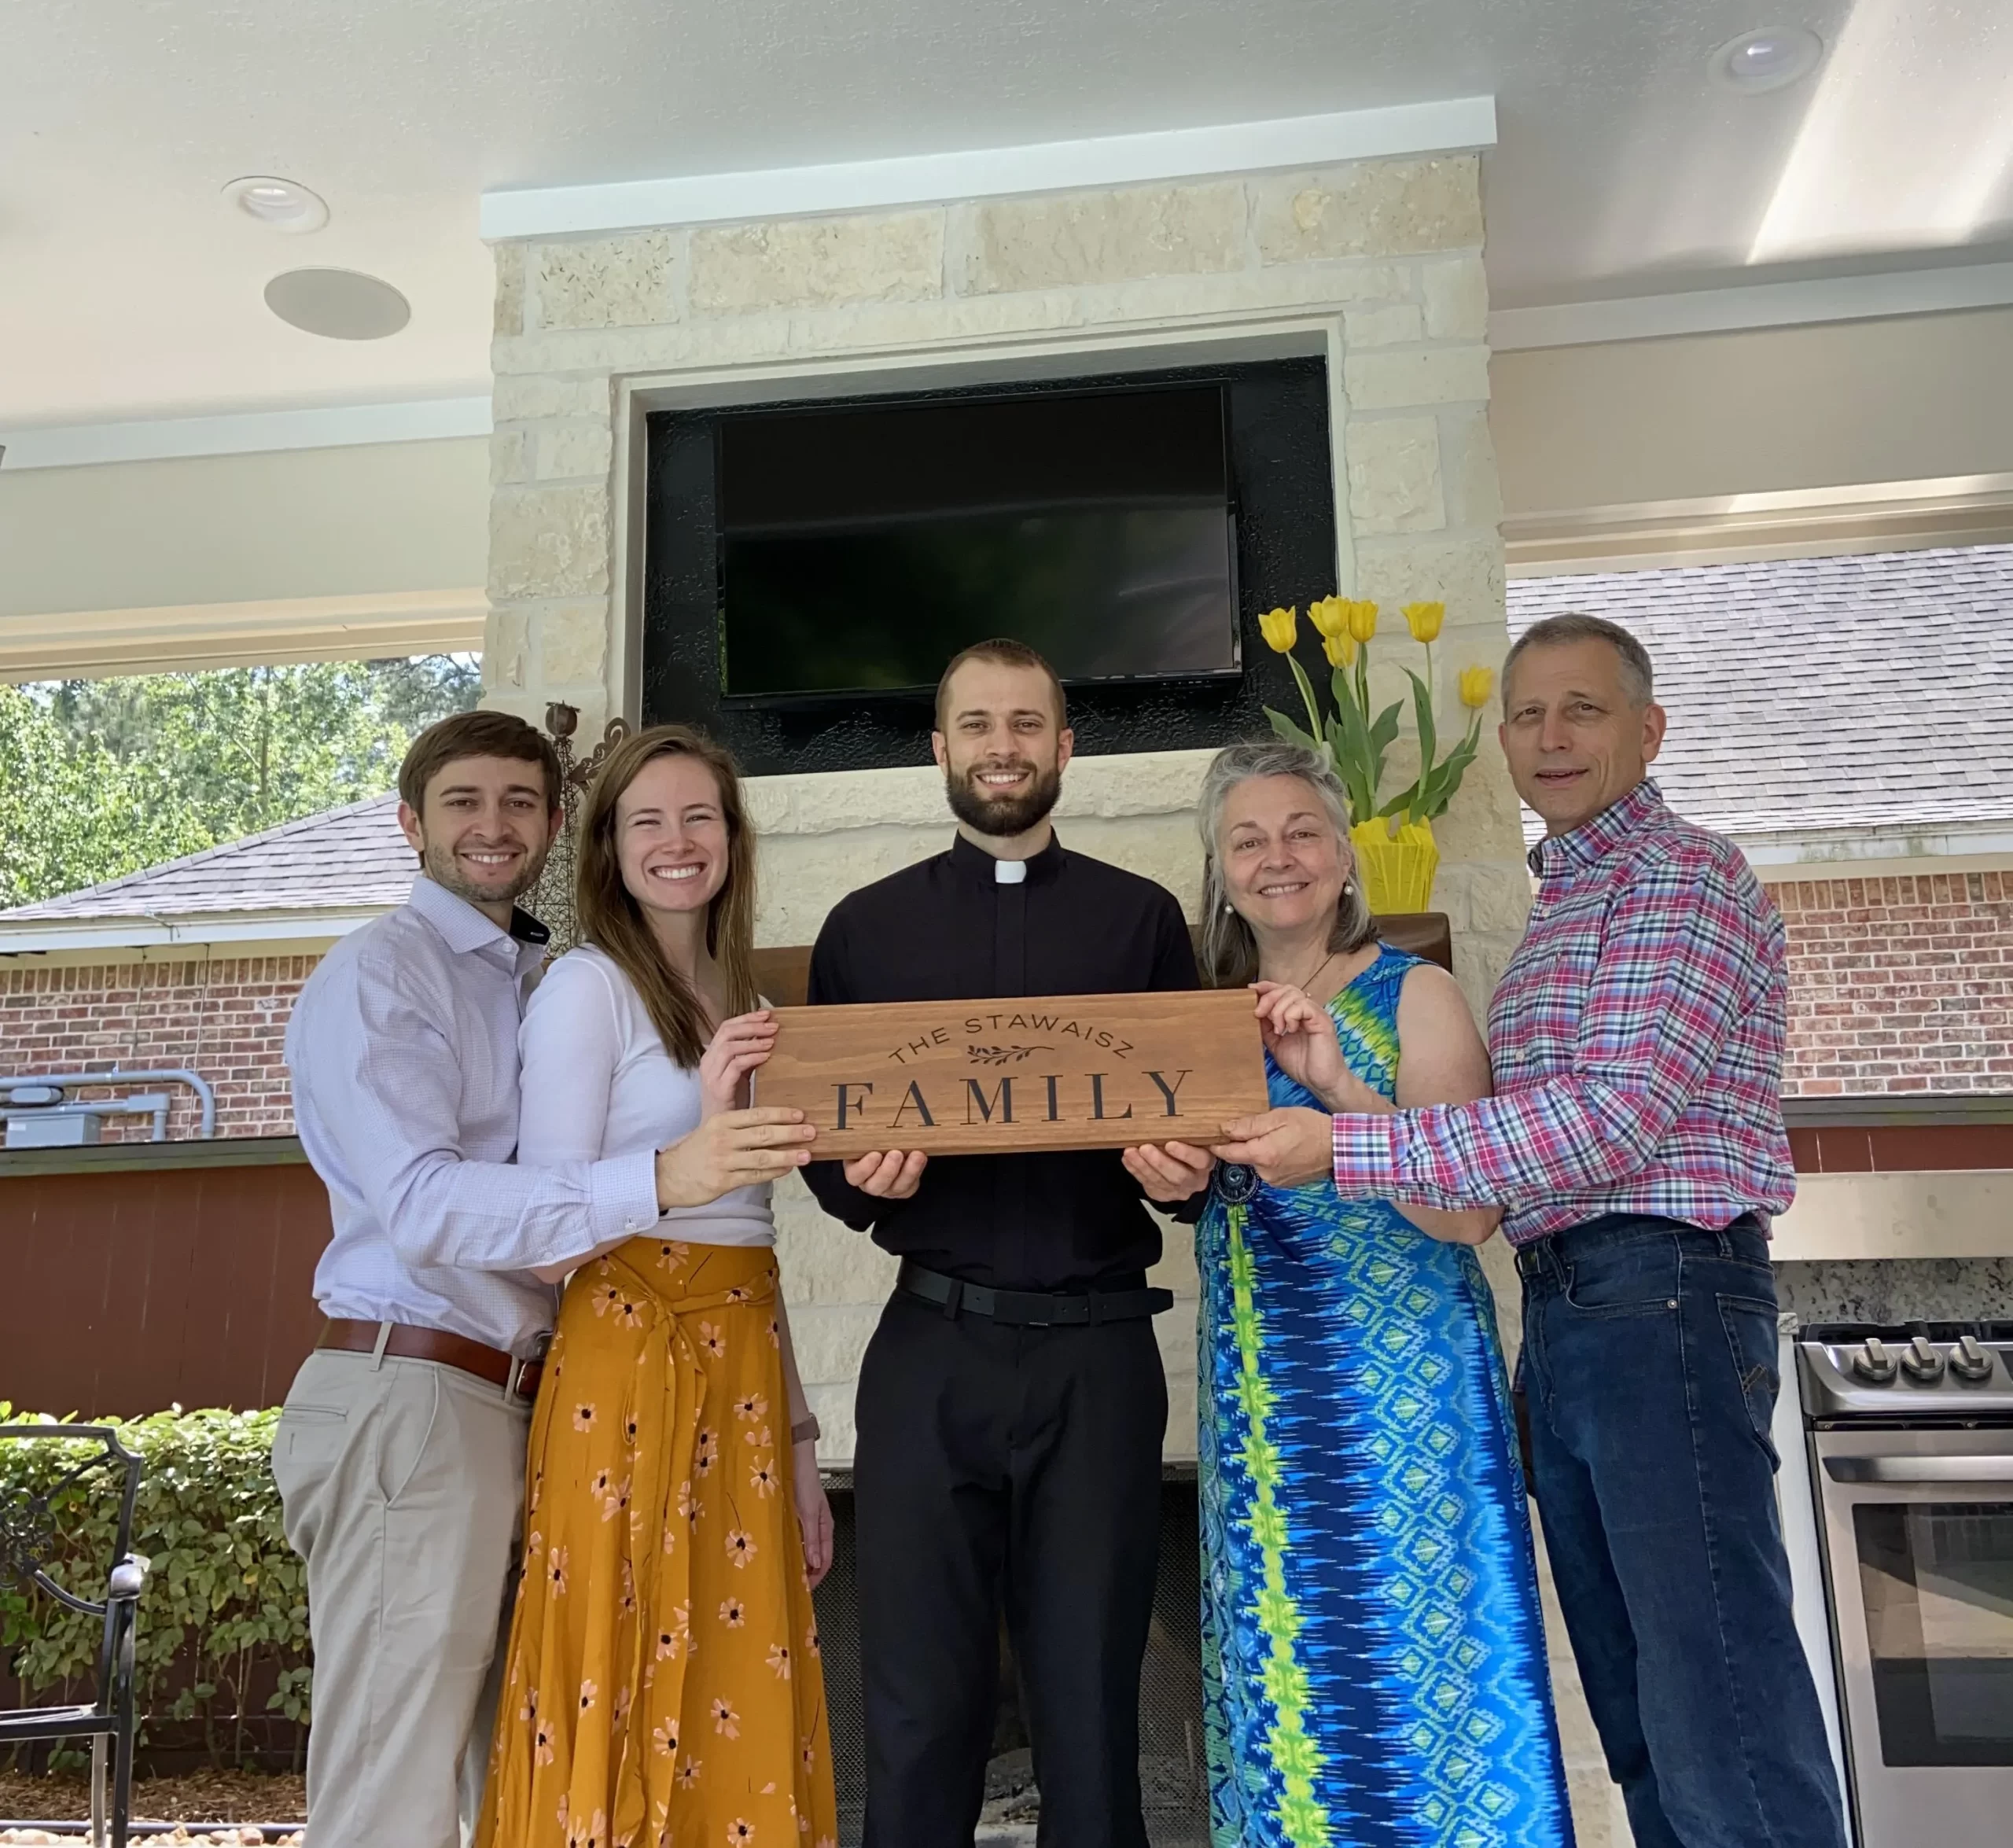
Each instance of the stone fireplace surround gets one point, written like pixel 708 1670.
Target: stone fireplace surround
pixel 1373 266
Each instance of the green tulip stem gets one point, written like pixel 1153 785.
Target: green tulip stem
pixel 1306 695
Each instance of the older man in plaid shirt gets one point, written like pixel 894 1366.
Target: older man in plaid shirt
pixel 1636 1143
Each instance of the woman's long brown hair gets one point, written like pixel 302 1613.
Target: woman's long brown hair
pixel 609 918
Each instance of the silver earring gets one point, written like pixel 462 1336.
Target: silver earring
pixel 1228 909
pixel 1347 889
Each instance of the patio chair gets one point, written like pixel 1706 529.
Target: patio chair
pixel 28 1530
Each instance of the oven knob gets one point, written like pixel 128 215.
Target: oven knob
pixel 1922 1362
pixel 1970 1361
pixel 1873 1362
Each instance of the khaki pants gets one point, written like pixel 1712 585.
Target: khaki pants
pixel 404 1486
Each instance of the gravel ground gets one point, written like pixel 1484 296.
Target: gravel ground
pixel 195 1798
pixel 180 1835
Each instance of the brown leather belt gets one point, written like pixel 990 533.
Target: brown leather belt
pixel 406 1340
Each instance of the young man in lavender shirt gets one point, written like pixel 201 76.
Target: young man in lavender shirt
pixel 400 1452
pixel 1635 1140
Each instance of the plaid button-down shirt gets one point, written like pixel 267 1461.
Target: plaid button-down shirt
pixel 1636 1040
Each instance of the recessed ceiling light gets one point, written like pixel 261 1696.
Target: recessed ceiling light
pixel 1771 59
pixel 338 304
pixel 279 204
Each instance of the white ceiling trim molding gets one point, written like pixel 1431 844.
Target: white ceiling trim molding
pixel 1798 523
pixel 1755 304
pixel 1929 850
pixel 246 432
pixel 298 930
pixel 180 638
pixel 1457 123
pixel 1879 853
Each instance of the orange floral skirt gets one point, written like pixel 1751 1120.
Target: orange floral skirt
pixel 662 1685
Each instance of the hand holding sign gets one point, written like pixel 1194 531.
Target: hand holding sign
pixel 889 1175
pixel 1169 1171
pixel 1289 1147
pixel 740 1045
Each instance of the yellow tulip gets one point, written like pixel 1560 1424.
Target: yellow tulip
pixel 1279 629
pixel 1340 650
pixel 1424 621
pixel 1330 616
pixel 1476 684
pixel 1362 621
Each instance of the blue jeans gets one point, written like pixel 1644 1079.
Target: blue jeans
pixel 1649 1367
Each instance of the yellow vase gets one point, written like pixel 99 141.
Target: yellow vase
pixel 1396 862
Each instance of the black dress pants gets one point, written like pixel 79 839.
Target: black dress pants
pixel 1014 1468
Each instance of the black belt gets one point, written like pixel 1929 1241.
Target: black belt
pixel 1028 1308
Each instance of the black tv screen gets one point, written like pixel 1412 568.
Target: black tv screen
pixel 861 546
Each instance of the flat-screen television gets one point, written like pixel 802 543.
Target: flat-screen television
pixel 862 546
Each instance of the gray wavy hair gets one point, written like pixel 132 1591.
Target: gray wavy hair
pixel 1230 951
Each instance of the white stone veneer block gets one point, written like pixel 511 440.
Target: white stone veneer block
pixel 1014 245
pixel 549 542
pixel 815 263
pixel 1394 474
pixel 629 280
pixel 1373 208
pixel 1456 294
pixel 1425 375
pixel 515 399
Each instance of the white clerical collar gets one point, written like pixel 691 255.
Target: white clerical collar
pixel 1009 872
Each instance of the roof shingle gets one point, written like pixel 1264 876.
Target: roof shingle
pixel 1874 690
pixel 341 860
pixel 1805 695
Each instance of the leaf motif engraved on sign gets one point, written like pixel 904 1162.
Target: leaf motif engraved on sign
pixel 1003 1055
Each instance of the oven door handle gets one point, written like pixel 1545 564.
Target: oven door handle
pixel 1920 1469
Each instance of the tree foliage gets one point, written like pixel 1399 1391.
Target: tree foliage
pixel 102 778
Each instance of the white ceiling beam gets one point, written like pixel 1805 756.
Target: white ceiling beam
pixel 1797 523
pixel 1875 852
pixel 1457 123
pixel 182 637
pixel 1754 304
pixel 246 432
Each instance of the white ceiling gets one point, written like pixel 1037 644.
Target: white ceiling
pixel 128 289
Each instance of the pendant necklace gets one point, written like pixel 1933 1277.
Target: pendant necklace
pixel 1303 985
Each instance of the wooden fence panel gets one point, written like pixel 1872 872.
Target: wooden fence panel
pixel 132 1289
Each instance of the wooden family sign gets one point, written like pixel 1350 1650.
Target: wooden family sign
pixel 1000 1077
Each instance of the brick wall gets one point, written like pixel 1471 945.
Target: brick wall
pixel 1896 985
pixel 224 1020
pixel 1899 985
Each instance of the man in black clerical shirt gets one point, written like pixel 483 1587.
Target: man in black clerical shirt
pixel 1011 1404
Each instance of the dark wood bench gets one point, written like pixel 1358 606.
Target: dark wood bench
pixel 782 974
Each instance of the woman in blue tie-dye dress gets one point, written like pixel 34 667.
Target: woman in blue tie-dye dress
pixel 1374 1658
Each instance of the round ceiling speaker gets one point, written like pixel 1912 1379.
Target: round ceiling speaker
pixel 338 304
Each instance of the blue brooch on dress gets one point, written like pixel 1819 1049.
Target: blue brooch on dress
pixel 1234 1183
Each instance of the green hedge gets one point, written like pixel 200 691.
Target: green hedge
pixel 225 1612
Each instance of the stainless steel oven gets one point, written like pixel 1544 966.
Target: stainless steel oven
pixel 1911 1447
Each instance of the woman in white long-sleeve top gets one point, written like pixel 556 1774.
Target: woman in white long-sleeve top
pixel 662 1678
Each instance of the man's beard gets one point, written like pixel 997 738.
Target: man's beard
pixel 1003 816
pixel 441 869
